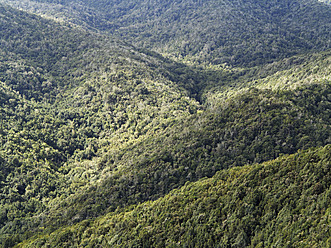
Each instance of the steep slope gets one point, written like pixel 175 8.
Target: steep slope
pixel 91 124
pixel 67 71
pixel 40 58
pixel 285 202
pixel 253 126
pixel 65 94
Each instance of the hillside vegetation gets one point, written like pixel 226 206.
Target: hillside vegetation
pixel 234 32
pixel 95 130
pixel 285 202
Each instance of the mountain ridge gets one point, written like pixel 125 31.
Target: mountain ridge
pixel 211 31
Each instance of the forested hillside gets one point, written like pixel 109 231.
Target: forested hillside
pixel 285 202
pixel 94 128
pixel 234 32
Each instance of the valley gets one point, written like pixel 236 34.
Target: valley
pixel 117 129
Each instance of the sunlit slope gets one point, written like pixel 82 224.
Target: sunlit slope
pixel 66 93
pixel 221 82
pixel 282 202
pixel 91 124
pixel 256 126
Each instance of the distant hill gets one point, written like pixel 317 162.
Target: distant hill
pixel 238 33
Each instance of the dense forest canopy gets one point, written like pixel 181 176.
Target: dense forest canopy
pixel 234 32
pixel 254 206
pixel 118 117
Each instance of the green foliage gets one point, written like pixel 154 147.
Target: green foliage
pixel 91 125
pixel 285 202
pixel 238 33
pixel 252 127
